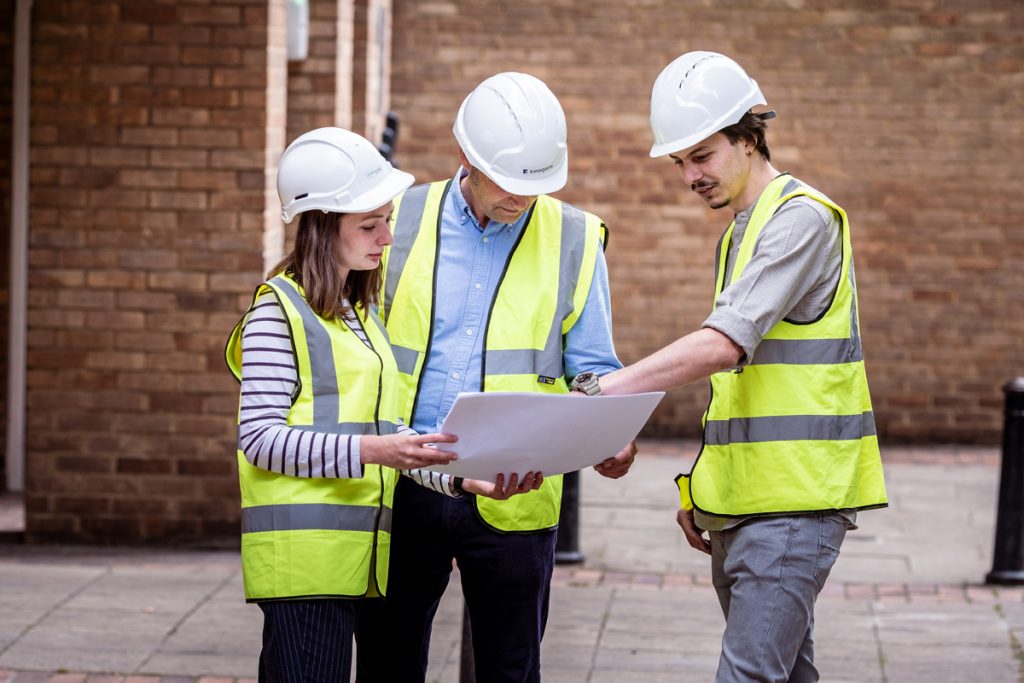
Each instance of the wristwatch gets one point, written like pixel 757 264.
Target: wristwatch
pixel 587 382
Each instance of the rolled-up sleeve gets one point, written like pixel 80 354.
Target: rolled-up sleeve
pixel 797 254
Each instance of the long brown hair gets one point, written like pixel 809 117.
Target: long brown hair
pixel 313 263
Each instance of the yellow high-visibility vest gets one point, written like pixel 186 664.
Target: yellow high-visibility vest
pixel 322 537
pixel 793 431
pixel 539 298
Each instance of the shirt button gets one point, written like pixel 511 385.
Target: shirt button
pixel 477 286
pixel 456 375
pixel 486 240
pixel 469 331
pixel 463 218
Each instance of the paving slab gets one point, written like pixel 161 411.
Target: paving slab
pixel 905 602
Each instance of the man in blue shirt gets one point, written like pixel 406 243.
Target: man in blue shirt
pixel 491 285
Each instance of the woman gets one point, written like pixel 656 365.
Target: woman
pixel 319 431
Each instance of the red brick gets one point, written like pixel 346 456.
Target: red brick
pixel 143 466
pixel 149 13
pixel 185 35
pixel 148 178
pixel 181 116
pixel 118 74
pixel 122 320
pixel 209 137
pixel 220 15
pixel 80 505
pixel 149 136
pixel 179 158
pixel 209 97
pixel 177 199
pixel 204 468
pixel 118 157
pixel 148 259
pixel 211 55
pixel 150 54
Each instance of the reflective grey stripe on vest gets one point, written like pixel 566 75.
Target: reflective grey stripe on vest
pixel 807 352
pixel 547 362
pixel 792 186
pixel 405 358
pixel 407 227
pixel 324 374
pixel 789 428
pixel 297 517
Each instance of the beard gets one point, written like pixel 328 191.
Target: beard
pixel 712 203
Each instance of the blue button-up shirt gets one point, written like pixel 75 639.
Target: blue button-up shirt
pixel 469 267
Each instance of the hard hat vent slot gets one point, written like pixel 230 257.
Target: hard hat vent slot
pixel 301 196
pixel 695 65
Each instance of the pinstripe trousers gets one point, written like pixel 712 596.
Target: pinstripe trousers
pixel 307 641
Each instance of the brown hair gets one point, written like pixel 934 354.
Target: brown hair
pixel 751 128
pixel 313 264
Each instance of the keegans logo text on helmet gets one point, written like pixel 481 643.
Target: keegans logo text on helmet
pixel 528 171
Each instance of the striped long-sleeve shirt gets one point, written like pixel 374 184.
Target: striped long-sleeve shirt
pixel 269 385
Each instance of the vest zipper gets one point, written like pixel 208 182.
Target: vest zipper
pixel 380 468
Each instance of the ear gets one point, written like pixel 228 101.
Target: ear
pixel 463 159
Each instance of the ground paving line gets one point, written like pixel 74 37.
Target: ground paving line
pixel 876 630
pixel 1015 644
pixel 195 608
pixel 600 633
pixel 75 593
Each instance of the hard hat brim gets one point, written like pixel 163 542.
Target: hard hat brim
pixel 679 145
pixel 535 186
pixel 395 184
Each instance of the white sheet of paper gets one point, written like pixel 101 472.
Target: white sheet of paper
pixel 506 432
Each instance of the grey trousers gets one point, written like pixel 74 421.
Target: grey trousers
pixel 768 572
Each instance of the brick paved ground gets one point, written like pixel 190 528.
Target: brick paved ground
pixel 905 604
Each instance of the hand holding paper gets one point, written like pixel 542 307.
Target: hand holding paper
pixel 506 433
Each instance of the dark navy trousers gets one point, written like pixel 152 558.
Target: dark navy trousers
pixel 307 641
pixel 506 579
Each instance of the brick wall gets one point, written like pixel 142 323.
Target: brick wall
pixel 314 83
pixel 6 83
pixel 371 67
pixel 320 86
pixel 905 112
pixel 154 127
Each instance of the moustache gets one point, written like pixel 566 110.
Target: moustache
pixel 700 185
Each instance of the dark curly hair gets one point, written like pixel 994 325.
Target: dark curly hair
pixel 751 128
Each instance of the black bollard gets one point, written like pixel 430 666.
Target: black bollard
pixel 1008 557
pixel 567 543
pixel 467 664
pixel 389 138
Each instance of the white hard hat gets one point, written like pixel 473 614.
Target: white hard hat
pixel 333 169
pixel 697 95
pixel 512 128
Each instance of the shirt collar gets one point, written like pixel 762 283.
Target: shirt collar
pixel 462 209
